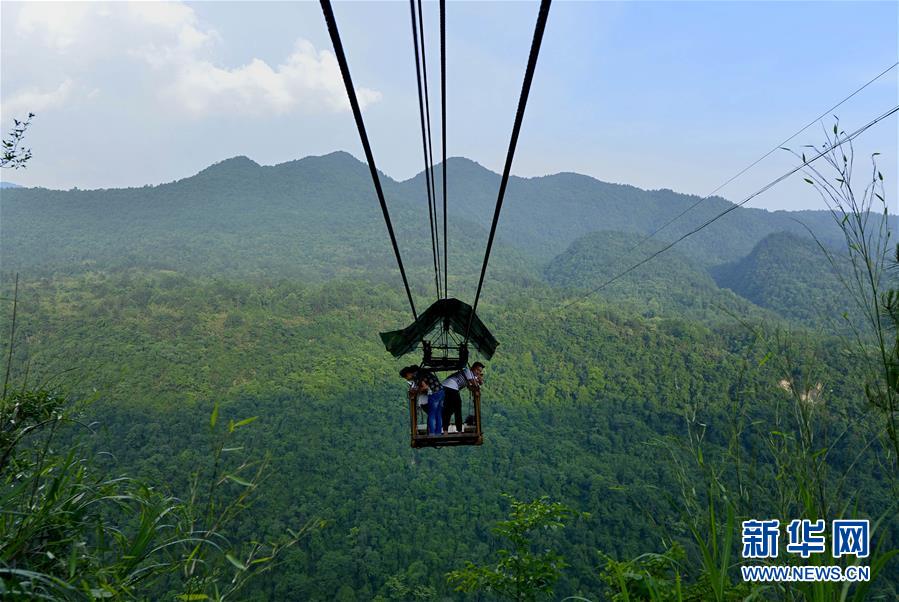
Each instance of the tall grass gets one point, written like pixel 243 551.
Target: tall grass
pixel 783 467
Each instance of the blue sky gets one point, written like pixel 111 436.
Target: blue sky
pixel 676 95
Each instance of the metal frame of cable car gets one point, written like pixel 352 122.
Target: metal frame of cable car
pixel 444 358
pixel 419 432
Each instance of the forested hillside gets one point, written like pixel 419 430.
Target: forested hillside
pixel 312 219
pixel 792 276
pixel 316 217
pixel 675 287
pixel 253 291
pixel 577 407
pixel 550 212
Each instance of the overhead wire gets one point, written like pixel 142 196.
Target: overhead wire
pixel 540 27
pixel 331 22
pixel 760 159
pixel 430 167
pixel 424 144
pixel 709 221
pixel 443 141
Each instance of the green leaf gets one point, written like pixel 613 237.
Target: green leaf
pixel 193 597
pixel 244 422
pixel 215 415
pixel 261 560
pixel 237 563
pixel 238 480
pixel 73 562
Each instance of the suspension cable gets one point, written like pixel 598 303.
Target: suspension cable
pixel 443 140
pixel 709 221
pixel 516 129
pixel 424 71
pixel 424 146
pixel 759 160
pixel 360 125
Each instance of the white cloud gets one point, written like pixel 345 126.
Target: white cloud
pixel 308 80
pixel 175 32
pixel 168 15
pixel 59 25
pixel 34 100
pixel 169 39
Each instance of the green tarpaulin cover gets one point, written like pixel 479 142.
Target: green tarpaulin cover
pixel 452 313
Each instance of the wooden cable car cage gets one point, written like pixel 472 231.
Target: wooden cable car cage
pixel 445 358
pixel 444 353
pixel 471 433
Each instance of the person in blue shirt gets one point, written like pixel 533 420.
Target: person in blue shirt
pixel 424 381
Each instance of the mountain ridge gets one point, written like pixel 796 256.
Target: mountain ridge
pixel 317 217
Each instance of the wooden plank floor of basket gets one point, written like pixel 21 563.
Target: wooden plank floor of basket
pixel 471 433
pixel 447 440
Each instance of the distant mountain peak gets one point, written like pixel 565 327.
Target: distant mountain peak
pixel 336 165
pixel 465 161
pixel 239 163
pixel 339 154
pixel 9 185
pixel 337 158
pixel 469 169
pixel 239 160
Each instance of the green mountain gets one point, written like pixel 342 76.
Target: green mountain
pixel 790 275
pixel 673 285
pixel 313 219
pixel 317 218
pixel 546 214
pixel 233 217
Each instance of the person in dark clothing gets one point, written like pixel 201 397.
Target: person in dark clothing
pixel 453 384
pixel 424 381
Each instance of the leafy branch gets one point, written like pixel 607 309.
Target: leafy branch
pixel 15 156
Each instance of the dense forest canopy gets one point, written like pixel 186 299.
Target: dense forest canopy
pixel 259 291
